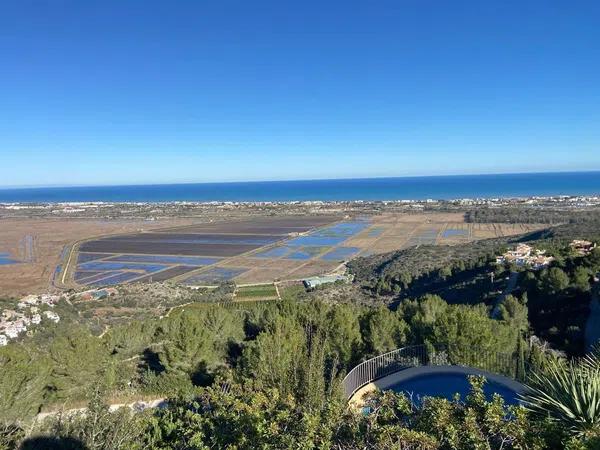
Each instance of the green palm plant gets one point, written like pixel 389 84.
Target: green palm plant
pixel 568 393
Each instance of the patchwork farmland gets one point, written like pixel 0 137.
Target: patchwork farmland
pixel 195 254
pixel 262 249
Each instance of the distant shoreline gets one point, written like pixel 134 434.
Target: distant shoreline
pixel 448 187
pixel 559 199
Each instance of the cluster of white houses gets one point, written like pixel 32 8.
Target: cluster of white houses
pixel 525 255
pixel 15 322
pixel 582 248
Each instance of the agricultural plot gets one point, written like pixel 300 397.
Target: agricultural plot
pixel 305 253
pixel 186 252
pixel 316 253
pixel 274 226
pixel 162 259
pixel 45 248
pixel 316 243
pixel 452 232
pixel 426 236
pixel 341 253
pixel 167 274
pixel 214 275
pixel 455 233
pixel 375 232
pixel 85 257
pixel 82 275
pixel 275 252
pixel 265 249
pixel 257 292
pixel 166 248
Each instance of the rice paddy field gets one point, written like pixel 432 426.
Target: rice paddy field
pixel 33 251
pixel 263 249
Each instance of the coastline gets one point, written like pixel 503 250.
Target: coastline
pixel 403 189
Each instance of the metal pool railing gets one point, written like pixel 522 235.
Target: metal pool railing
pixel 422 355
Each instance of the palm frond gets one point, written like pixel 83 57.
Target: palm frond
pixel 568 393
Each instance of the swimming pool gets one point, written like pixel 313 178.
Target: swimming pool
pixel 448 384
pixel 446 381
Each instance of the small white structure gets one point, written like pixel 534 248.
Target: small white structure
pixel 581 247
pixel 11 332
pixel 51 315
pixel 311 283
pixel 3 340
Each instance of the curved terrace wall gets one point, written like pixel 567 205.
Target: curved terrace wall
pixel 391 368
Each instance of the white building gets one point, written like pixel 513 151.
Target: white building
pixel 11 332
pixel 3 340
pixel 52 316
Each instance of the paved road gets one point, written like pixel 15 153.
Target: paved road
pixel 592 327
pixel 510 286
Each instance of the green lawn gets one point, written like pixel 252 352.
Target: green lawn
pixel 256 292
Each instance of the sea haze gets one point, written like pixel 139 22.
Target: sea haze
pixel 415 188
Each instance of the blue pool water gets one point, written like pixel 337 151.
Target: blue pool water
pixel 5 259
pixel 447 385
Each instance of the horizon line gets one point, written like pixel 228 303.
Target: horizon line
pixel 183 183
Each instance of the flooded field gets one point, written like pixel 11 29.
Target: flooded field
pixel 259 249
pixel 192 254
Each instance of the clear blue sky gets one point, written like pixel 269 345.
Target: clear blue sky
pixel 128 92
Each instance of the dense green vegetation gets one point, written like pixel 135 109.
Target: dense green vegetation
pixel 239 416
pixel 270 343
pixel 568 393
pixel 423 269
pixel 589 230
pixel 557 298
pixel 294 351
pixel 268 374
pixel 531 215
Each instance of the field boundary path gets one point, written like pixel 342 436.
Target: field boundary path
pixel 137 406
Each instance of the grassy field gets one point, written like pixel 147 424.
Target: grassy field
pixel 263 291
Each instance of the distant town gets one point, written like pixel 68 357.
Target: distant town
pixel 155 210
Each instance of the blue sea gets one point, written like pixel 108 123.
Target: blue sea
pixel 404 188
